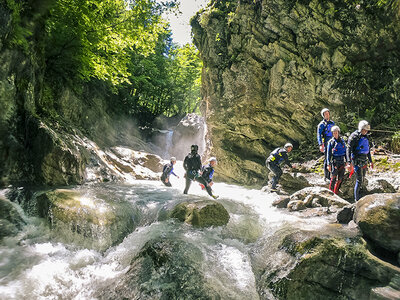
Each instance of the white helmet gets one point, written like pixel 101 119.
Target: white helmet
pixel 335 128
pixel 363 125
pixel 323 111
pixel 212 159
pixel 287 145
pixel 173 158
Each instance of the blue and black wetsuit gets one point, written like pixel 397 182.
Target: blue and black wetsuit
pixel 336 157
pixel 168 169
pixel 192 165
pixel 324 134
pixel 207 173
pixel 274 160
pixel 359 153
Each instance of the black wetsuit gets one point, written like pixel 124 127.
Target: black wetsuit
pixel 274 160
pixel 192 165
pixel 324 134
pixel 167 171
pixel 336 157
pixel 358 151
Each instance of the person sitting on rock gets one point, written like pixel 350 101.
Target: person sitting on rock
pixel 359 153
pixel 192 166
pixel 336 157
pixel 274 160
pixel 324 134
pixel 207 174
pixel 168 169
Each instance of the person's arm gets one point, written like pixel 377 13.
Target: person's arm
pixel 349 148
pixel 320 130
pixel 329 152
pixel 286 158
pixel 185 161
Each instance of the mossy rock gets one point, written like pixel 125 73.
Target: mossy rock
pixel 10 219
pixel 378 217
pixel 329 267
pixel 201 213
pixel 79 218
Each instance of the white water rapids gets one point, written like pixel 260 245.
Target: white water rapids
pixel 38 264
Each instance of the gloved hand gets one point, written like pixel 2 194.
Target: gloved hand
pixel 322 147
pixel 371 165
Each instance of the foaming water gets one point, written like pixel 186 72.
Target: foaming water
pixel 37 264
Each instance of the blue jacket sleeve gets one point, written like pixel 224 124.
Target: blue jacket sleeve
pixel 320 130
pixel 329 152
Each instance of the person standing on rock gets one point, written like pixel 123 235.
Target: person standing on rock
pixel 168 169
pixel 324 134
pixel 192 166
pixel 207 173
pixel 359 153
pixel 337 160
pixel 274 160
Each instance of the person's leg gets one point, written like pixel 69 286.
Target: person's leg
pixel 277 174
pixel 187 186
pixel 358 171
pixel 204 182
pixel 340 175
pixel 333 178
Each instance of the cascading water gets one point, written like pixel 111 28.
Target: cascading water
pixel 40 263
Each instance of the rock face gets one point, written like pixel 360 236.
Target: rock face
pixel 327 268
pixel 271 66
pixel 378 217
pixel 201 213
pixel 89 221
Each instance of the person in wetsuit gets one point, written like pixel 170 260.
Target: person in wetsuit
pixel 168 169
pixel 359 153
pixel 207 172
pixel 324 134
pixel 192 166
pixel 337 160
pixel 274 160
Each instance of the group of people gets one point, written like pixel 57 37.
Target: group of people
pixel 355 156
pixel 194 171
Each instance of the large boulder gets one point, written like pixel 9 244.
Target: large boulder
pixel 293 182
pixel 201 213
pixel 326 266
pixel 163 269
pixel 378 217
pixel 89 221
pixel 11 220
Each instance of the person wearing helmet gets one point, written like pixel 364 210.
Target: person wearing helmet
pixel 168 169
pixel 192 166
pixel 274 160
pixel 359 153
pixel 337 160
pixel 207 172
pixel 324 134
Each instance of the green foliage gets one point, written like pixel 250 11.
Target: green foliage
pixel 19 33
pixel 92 39
pixel 166 82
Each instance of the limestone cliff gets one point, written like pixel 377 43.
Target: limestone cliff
pixel 270 66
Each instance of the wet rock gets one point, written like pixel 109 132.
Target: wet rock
pixel 375 186
pixel 281 202
pixel 163 269
pixel 391 292
pixel 318 196
pixel 327 267
pixel 345 215
pixel 189 131
pixel 296 205
pixel 86 220
pixel 378 217
pixel 201 213
pixel 11 220
pixel 293 182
